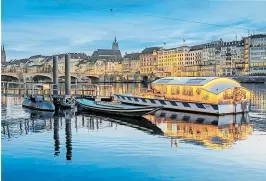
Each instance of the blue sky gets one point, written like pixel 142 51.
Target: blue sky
pixel 48 27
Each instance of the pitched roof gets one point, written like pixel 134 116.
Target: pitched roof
pixel 150 50
pixel 231 43
pixel 132 56
pixel 197 47
pixel 37 56
pixel 106 54
pixel 258 36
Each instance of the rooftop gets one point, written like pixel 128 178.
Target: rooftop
pixel 150 50
pixel 216 87
pixel 132 56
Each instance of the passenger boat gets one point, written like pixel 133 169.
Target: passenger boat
pixel 38 103
pixel 116 109
pixel 211 95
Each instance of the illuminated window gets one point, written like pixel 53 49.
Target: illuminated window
pixel 188 91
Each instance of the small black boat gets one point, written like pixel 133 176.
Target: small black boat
pixel 38 103
pixel 116 109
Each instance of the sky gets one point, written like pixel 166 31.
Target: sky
pixel 48 27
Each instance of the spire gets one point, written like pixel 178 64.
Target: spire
pixel 115 45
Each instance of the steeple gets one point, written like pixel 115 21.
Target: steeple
pixel 115 45
pixel 3 54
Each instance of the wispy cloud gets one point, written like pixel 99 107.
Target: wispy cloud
pixel 51 28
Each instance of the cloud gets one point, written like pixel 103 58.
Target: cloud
pixel 85 31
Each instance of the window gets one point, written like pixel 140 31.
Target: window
pixel 188 91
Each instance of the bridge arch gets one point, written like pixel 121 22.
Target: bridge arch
pixel 41 77
pixel 10 78
pixel 73 78
pixel 91 78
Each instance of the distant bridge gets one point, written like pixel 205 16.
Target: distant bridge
pixel 37 76
pixel 24 77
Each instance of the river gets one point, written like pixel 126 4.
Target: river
pixel 38 146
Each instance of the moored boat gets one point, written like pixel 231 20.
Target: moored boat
pixel 116 109
pixel 38 103
pixel 211 95
pixel 66 102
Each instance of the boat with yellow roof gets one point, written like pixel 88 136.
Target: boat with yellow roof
pixel 212 95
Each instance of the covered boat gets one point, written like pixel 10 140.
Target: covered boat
pixel 212 95
pixel 38 103
pixel 115 109
pixel 35 101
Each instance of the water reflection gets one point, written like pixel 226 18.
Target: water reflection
pixel 68 115
pixel 215 132
pixel 56 135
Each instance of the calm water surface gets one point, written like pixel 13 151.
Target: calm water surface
pixel 166 146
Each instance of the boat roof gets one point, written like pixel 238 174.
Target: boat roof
pixel 184 80
pixel 212 84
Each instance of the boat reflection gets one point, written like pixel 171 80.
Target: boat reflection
pixel 215 132
pixel 36 114
pixel 141 123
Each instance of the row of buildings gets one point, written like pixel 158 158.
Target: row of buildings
pixel 217 58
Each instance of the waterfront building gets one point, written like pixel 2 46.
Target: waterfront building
pixel 209 64
pixel 148 60
pixel 193 61
pixel 232 57
pixel 130 63
pixel 257 54
pixel 171 61
pixel 3 55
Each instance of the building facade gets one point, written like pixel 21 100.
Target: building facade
pixel 130 63
pixel 193 61
pixel 209 66
pixel 257 54
pixel 148 60
pixel 232 54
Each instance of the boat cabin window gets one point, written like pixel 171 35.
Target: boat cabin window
pixel 195 81
pixel 164 81
pixel 175 90
pixel 228 94
pixel 187 91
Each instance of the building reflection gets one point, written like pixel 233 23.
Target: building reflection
pixel 215 132
pixel 258 100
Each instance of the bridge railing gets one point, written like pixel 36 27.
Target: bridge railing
pixel 77 90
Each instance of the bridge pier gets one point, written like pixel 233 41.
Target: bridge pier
pixel 67 75
pixel 55 75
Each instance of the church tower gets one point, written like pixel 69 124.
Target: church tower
pixel 115 45
pixel 3 55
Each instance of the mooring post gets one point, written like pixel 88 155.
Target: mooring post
pixel 55 75
pixel 67 74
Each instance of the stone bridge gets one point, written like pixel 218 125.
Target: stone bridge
pixel 25 77
pixel 48 77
